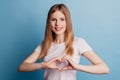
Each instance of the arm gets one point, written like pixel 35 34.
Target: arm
pixel 29 63
pixel 98 66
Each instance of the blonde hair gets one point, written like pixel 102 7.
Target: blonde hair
pixel 50 36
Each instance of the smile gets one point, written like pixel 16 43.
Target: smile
pixel 58 28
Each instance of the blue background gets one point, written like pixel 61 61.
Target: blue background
pixel 22 25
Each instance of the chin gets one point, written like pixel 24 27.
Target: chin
pixel 59 32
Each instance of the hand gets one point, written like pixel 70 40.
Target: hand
pixel 52 63
pixel 71 65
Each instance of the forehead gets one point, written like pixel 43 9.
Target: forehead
pixel 57 14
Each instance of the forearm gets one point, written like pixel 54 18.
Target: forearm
pixel 30 66
pixel 94 69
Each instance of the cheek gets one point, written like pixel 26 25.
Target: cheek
pixel 64 23
pixel 65 29
pixel 52 24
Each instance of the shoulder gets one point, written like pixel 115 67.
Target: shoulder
pixel 79 39
pixel 81 42
pixel 38 48
pixel 82 45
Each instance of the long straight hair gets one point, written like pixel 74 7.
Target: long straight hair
pixel 50 35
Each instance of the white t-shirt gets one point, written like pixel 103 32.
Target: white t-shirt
pixel 80 46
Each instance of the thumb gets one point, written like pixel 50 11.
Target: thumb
pixel 67 68
pixel 54 59
pixel 58 68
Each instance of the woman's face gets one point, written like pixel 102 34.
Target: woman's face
pixel 58 23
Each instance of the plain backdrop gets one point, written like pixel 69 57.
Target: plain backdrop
pixel 22 25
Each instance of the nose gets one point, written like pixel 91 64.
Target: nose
pixel 57 22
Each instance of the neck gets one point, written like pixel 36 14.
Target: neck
pixel 59 39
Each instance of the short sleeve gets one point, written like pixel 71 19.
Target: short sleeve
pixel 38 48
pixel 83 46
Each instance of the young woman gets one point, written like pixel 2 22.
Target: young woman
pixel 61 50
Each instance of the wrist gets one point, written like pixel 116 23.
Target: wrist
pixel 77 67
pixel 43 64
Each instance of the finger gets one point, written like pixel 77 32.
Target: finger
pixel 67 68
pixel 58 68
pixel 64 58
pixel 59 59
pixel 54 59
pixel 70 63
pixel 69 60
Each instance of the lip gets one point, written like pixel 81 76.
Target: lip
pixel 58 28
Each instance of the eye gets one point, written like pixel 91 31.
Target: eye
pixel 53 19
pixel 62 19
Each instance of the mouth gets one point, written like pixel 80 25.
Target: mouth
pixel 58 28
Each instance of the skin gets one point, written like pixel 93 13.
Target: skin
pixel 58 26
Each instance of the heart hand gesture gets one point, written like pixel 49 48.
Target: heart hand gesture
pixel 58 63
pixel 71 65
pixel 52 63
